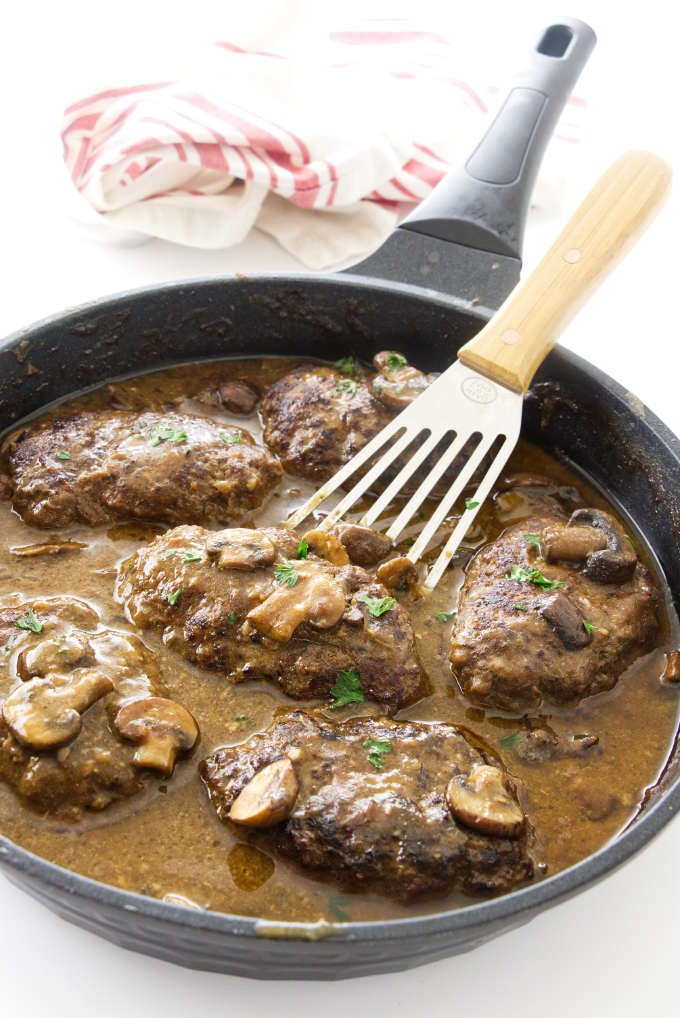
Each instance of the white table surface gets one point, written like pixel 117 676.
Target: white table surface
pixel 613 950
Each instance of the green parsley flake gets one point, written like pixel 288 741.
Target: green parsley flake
pixel 231 619
pixel 444 616
pixel 63 455
pixel 346 385
pixel 62 650
pixel 519 607
pixel 242 717
pixel 533 539
pixel 286 574
pixel 631 541
pixel 192 556
pixel 335 903
pixel 470 504
pixel 303 548
pixel 230 439
pixel 161 433
pixel 172 598
pixel 589 628
pixel 510 741
pixel 31 622
pixel 532 576
pixel 347 689
pixel 378 750
pixel 394 361
pixel 377 606
pixel 168 554
pixel 347 365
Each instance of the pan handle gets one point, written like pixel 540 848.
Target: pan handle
pixel 483 204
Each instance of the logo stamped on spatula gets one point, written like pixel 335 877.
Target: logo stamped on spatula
pixel 479 390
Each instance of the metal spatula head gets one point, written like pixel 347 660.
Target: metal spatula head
pixel 473 411
pixel 475 415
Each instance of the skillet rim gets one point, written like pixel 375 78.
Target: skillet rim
pixel 520 904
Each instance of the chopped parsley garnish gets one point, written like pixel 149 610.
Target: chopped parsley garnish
pixel 335 903
pixel 31 622
pixel 286 574
pixel 589 628
pixel 303 548
pixel 168 554
pixel 347 689
pixel 444 616
pixel 62 650
pixel 532 575
pixel 470 503
pixel 377 606
pixel 378 750
pixel 161 433
pixel 172 598
pixel 230 439
pixel 192 556
pixel 347 365
pixel 519 607
pixel 346 385
pixel 631 541
pixel 243 717
pixel 231 619
pixel 533 539
pixel 394 361
pixel 410 541
pixel 63 455
pixel 510 741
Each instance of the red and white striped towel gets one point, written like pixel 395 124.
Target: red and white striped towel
pixel 317 152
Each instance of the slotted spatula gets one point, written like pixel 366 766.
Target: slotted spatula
pixel 478 400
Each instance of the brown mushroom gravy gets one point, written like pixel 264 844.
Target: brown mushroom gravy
pixel 582 768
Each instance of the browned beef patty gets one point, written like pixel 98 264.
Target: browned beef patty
pixel 63 683
pixel 316 418
pixel 240 602
pixel 516 641
pixel 99 466
pixel 376 819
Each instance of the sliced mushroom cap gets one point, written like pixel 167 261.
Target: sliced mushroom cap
pixel 397 574
pixel 50 548
pixel 671 672
pixel 55 655
pixel 571 543
pixel 316 597
pixel 327 545
pixel 162 729
pixel 238 397
pixel 364 545
pixel 482 802
pixel 566 620
pixel 398 383
pixel 617 561
pixel 239 548
pixel 45 713
pixel 268 798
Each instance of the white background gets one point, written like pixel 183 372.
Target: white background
pixel 614 950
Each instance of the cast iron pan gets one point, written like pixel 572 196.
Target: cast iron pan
pixel 439 278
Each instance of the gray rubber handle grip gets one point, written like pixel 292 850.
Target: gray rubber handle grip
pixel 484 203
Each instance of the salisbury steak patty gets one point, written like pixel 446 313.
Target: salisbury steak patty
pixel 552 609
pixel 316 418
pixel 98 466
pixel 83 710
pixel 240 602
pixel 400 808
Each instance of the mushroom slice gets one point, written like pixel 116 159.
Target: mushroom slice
pixel 316 597
pixel 162 729
pixel 45 713
pixel 617 561
pixel 398 383
pixel 49 548
pixel 364 545
pixel 239 548
pixel 397 574
pixel 48 656
pixel 572 544
pixel 566 621
pixel 481 801
pixel 327 545
pixel 268 798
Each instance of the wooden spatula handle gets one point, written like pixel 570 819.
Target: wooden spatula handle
pixel 527 325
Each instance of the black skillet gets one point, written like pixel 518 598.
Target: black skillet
pixel 430 288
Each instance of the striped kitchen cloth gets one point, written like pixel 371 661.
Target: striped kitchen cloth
pixel 318 150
